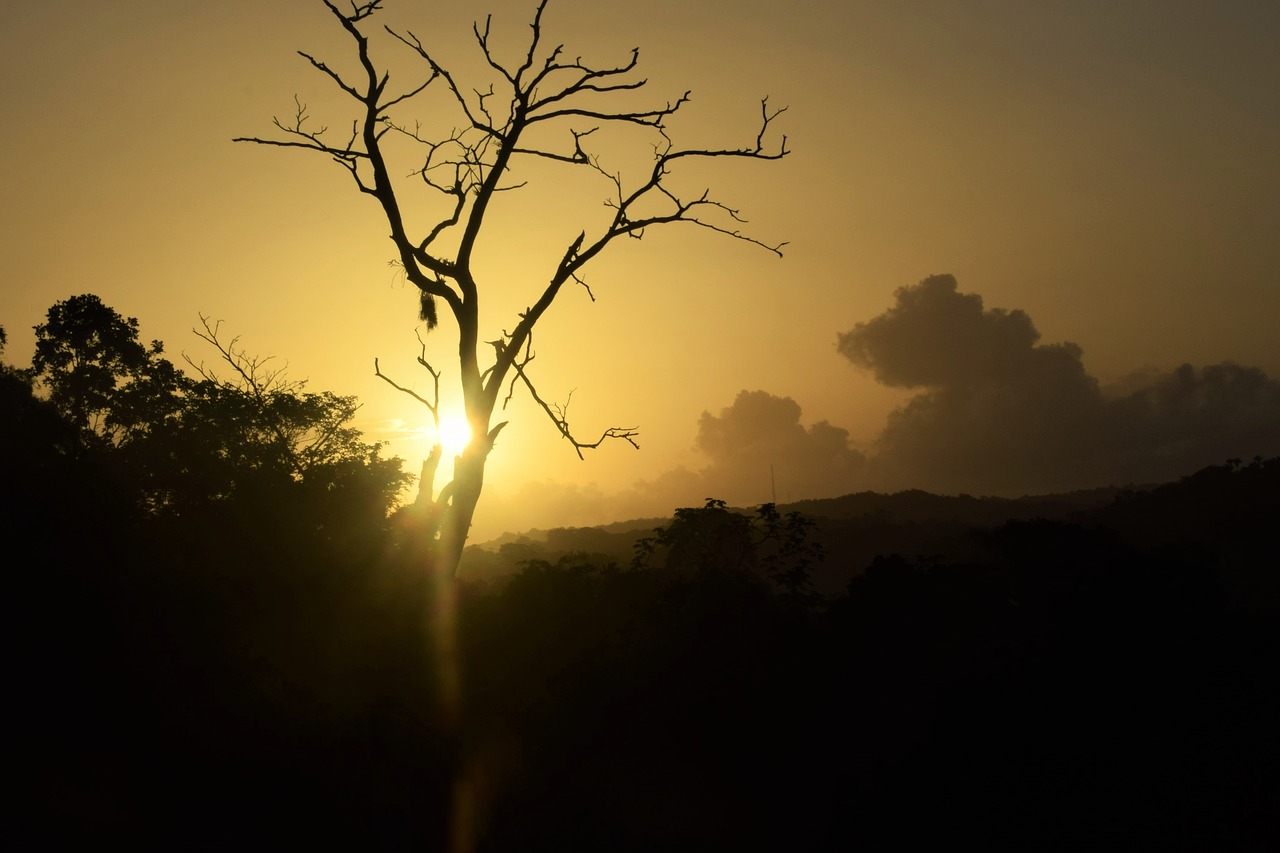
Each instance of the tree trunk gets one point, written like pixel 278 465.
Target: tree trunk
pixel 462 495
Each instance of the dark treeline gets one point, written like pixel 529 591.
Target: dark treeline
pixel 223 633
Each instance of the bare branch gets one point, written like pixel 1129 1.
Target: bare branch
pixel 559 414
pixel 348 156
pixel 679 210
pixel 482 38
pixel 415 43
pixel 433 405
pixel 342 84
pixel 536 26
pixel 648 118
pixel 359 11
pixel 251 369
pixel 585 76
pixel 261 383
pixel 407 95
pixel 581 281
pixel 579 155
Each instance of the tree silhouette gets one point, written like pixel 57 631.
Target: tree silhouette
pixel 543 105
pixel 713 538
pixel 99 375
pixel 256 424
pixel 182 441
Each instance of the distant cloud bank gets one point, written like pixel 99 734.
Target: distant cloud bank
pixel 997 412
pixel 1000 413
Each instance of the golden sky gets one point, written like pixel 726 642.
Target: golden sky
pixel 1109 168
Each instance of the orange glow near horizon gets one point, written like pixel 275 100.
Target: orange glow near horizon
pixel 1116 183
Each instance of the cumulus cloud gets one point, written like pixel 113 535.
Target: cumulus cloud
pixel 996 412
pixel 1000 413
pixel 758 444
pixel 752 447
pixel 936 336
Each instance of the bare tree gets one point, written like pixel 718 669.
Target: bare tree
pixel 469 166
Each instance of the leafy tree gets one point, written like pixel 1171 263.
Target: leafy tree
pixel 8 373
pixel 543 105
pixel 34 439
pixel 788 556
pixel 99 375
pixel 711 537
pixel 183 441
pixel 254 432
pixel 714 538
pixel 256 419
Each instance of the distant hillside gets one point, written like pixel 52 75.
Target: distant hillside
pixel 1223 507
pixel 922 507
pixel 853 530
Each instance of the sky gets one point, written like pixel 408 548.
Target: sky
pixel 1009 225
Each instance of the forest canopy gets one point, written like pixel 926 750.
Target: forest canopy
pixel 220 625
pixel 177 441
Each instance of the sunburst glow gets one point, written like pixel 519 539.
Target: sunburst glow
pixel 455 434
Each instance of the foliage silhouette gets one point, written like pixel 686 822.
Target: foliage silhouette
pixel 185 442
pixel 187 678
pixel 204 596
pixel 99 375
pixel 714 538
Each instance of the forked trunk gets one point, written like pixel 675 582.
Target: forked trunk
pixel 461 495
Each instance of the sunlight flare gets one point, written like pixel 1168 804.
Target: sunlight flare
pixel 454 435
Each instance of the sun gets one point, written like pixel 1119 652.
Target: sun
pixel 455 434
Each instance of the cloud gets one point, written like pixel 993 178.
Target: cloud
pixel 752 447
pixel 758 445
pixel 999 413
pixel 935 336
pixel 1190 417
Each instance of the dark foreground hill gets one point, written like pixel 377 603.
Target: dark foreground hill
pixel 1068 675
